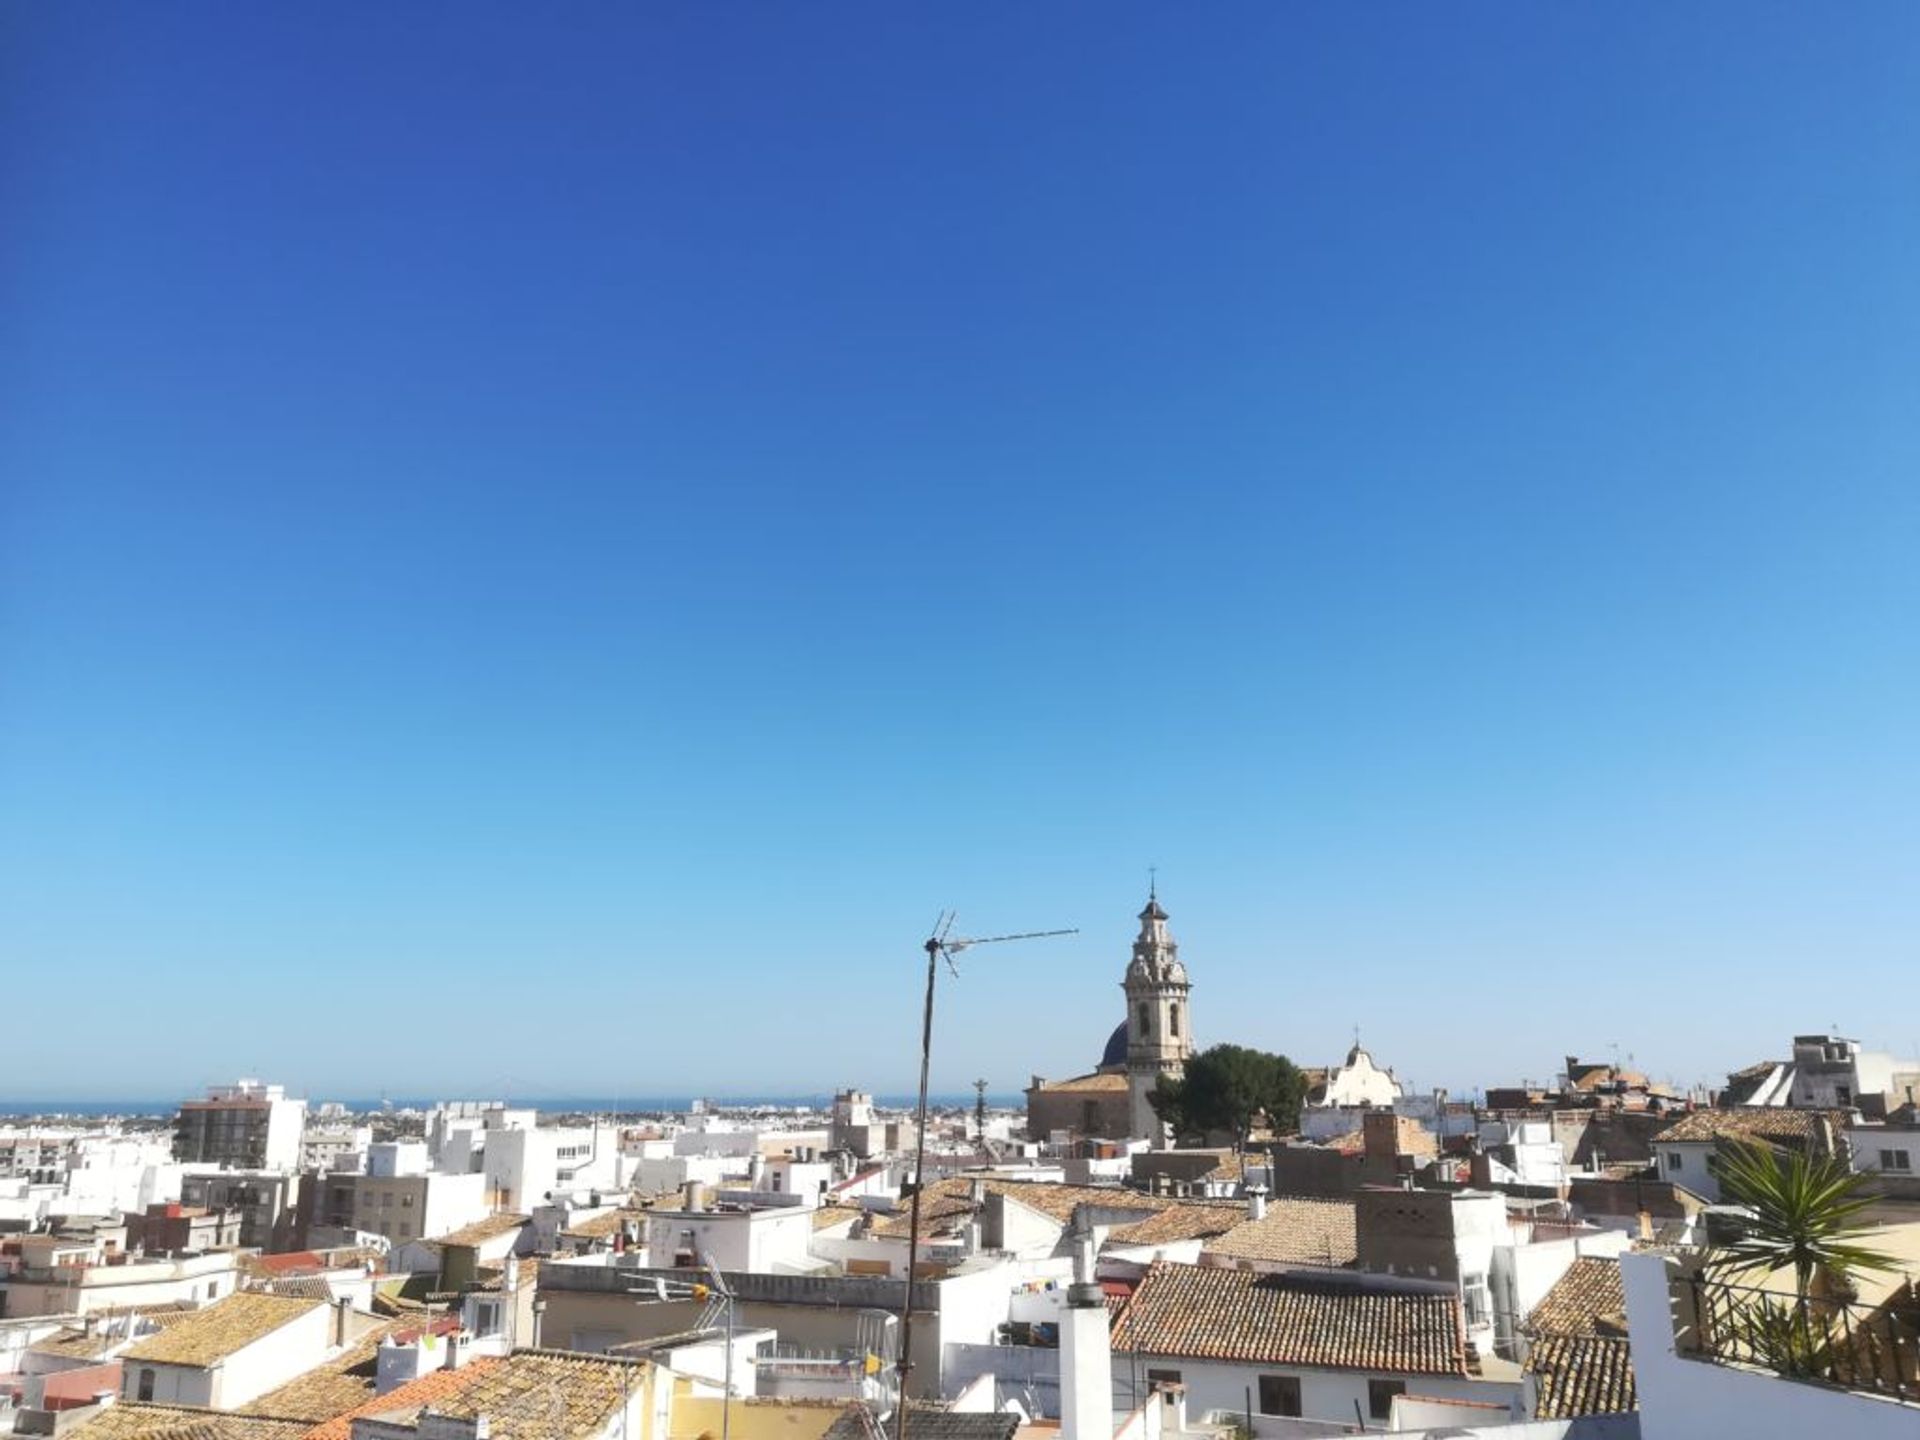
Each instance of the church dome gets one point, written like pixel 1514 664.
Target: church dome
pixel 1114 1057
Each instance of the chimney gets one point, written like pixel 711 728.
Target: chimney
pixel 756 1170
pixel 539 1317
pixel 1086 1355
pixel 690 1195
pixel 1256 1202
pixel 1380 1136
pixel 977 1191
pixel 341 1307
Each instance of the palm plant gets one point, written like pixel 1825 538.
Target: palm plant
pixel 1801 1211
pixel 1783 1337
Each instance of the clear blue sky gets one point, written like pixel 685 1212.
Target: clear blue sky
pixel 539 552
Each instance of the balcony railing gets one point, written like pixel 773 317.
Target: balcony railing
pixel 1831 1342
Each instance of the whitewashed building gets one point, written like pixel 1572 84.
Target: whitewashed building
pixel 1324 1349
pixel 224 1355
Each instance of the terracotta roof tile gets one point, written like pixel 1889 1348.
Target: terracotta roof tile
pixel 429 1389
pixel 605 1226
pixel 1296 1230
pixel 1774 1124
pixel 133 1421
pixel 481 1231
pixel 330 1389
pixel 1581 1375
pixel 207 1336
pixel 1099 1082
pixel 306 1287
pixel 72 1344
pixel 1208 1313
pixel 1587 1300
pixel 547 1395
pixel 1180 1221
pixel 949 1199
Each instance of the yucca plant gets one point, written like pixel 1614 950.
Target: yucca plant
pixel 1802 1211
pixel 1782 1337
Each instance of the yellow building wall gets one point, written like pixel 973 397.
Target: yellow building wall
pixel 698 1418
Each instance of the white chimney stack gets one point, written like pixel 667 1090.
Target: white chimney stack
pixel 1086 1356
pixel 1256 1202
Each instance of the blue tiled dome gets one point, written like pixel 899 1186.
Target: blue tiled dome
pixel 1115 1055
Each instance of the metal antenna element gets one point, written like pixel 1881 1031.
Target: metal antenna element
pixel 940 945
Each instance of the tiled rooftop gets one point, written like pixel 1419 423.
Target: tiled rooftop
pixel 481 1231
pixel 1581 1375
pixel 605 1226
pixel 407 1400
pixel 949 1199
pixel 72 1344
pixel 207 1336
pixel 1295 1230
pixel 547 1395
pixel 827 1216
pixel 1774 1124
pixel 1181 1220
pixel 1207 1313
pixel 330 1389
pixel 1097 1083
pixel 1587 1300
pixel 293 1262
pixel 129 1421
pixel 304 1287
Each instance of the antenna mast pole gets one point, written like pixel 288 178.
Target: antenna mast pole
pixel 937 945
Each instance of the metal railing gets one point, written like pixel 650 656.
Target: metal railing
pixel 1807 1337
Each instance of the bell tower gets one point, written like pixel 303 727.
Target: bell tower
pixel 1159 1029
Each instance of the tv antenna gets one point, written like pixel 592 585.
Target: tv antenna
pixel 980 1110
pixel 942 944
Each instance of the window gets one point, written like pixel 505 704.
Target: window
pixel 406 1201
pixel 213 1288
pixel 146 1385
pixel 1673 1160
pixel 1473 1294
pixel 1143 1019
pixel 386 1199
pixel 1162 1377
pixel 1895 1160
pixel 1845 1092
pixel 1279 1395
pixel 1380 1395
pixel 1173 1020
pixel 406 1229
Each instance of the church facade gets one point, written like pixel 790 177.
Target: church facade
pixel 1154 1040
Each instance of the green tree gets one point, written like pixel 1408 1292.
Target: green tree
pixel 1801 1211
pixel 1226 1088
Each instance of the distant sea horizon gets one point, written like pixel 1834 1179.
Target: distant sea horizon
pixel 15 1109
